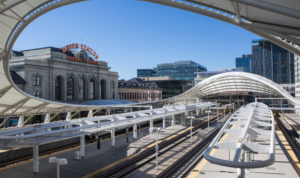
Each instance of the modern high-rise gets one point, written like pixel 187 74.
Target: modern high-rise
pixel 181 70
pixel 244 61
pixel 297 74
pixel 273 62
pixel 146 73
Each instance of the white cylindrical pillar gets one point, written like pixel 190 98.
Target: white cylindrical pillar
pixel 90 114
pixel 134 131
pixel 113 138
pixel 82 146
pixel 68 118
pixel 164 123
pixel 151 126
pixel 173 120
pixel 182 119
pixel 47 118
pixel 21 121
pixel 35 159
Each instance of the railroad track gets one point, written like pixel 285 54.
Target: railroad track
pixel 185 165
pixel 150 154
pixel 289 134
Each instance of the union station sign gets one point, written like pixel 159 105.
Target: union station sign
pixel 82 47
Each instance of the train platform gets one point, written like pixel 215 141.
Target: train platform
pixel 95 160
pixel 293 120
pixel 172 156
pixel 286 164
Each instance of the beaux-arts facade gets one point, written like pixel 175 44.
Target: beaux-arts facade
pixel 65 75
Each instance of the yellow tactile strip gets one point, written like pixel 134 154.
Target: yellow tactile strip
pixel 292 125
pixel 288 148
pixel 204 161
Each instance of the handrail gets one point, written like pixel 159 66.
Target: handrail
pixel 236 163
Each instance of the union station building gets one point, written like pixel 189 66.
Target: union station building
pixel 70 74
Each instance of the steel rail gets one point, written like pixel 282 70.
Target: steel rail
pixel 149 155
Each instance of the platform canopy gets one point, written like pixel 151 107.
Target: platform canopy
pixel 273 20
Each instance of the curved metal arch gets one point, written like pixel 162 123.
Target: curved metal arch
pixel 16 21
pixel 234 78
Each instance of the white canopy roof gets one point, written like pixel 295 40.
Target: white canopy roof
pixel 15 15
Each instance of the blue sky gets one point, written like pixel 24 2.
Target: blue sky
pixel 131 35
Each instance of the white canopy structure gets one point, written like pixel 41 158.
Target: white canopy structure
pixel 275 20
pixel 245 129
pixel 270 19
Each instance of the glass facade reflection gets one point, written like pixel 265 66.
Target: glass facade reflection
pixel 172 88
pixel 146 73
pixel 244 61
pixel 273 62
pixel 181 70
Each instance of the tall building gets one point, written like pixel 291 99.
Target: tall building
pixel 65 74
pixel 146 73
pixel 181 70
pixel 273 62
pixel 244 61
pixel 297 75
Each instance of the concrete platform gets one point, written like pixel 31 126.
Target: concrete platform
pixel 285 163
pixel 294 120
pixel 164 161
pixel 95 159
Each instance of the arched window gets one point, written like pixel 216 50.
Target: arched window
pixel 58 88
pixel 81 89
pixel 70 89
pixel 103 89
pixel 92 89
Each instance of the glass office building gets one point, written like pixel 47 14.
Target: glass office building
pixel 244 61
pixel 146 73
pixel 273 62
pixel 172 88
pixel 181 70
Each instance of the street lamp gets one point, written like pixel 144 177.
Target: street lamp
pixel 156 146
pixel 191 117
pixel 58 161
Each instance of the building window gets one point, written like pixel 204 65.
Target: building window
pixel 92 89
pixel 103 89
pixel 70 89
pixel 37 94
pixel 58 88
pixel 81 88
pixel 37 81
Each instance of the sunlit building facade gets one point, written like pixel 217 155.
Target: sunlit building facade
pixel 244 61
pixel 273 62
pixel 65 76
pixel 181 70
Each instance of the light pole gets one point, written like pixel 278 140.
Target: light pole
pixel 156 146
pixel 58 161
pixel 191 117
